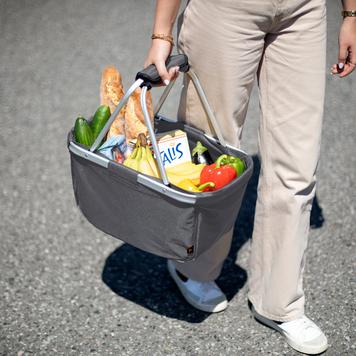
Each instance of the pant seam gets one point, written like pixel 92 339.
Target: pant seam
pixel 265 116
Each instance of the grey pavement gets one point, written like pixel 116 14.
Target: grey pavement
pixel 65 287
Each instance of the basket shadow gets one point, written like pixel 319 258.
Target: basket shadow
pixel 316 216
pixel 143 278
pixel 232 273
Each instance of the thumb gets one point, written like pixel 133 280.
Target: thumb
pixel 342 56
pixel 162 71
pixel 352 57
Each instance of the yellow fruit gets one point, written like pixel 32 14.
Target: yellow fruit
pixel 196 181
pixel 152 163
pixel 129 160
pixel 186 170
pixel 136 160
pixel 143 164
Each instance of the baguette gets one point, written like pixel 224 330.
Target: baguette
pixel 134 120
pixel 111 92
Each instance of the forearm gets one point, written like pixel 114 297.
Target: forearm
pixel 349 5
pixel 166 13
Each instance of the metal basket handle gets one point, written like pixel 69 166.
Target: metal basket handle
pixel 145 79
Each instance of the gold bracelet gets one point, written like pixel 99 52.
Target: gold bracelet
pixel 163 37
pixel 351 13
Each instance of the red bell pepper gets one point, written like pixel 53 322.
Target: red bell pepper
pixel 217 173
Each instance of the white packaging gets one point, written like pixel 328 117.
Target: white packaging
pixel 174 147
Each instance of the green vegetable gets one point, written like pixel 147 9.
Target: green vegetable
pixel 237 163
pixel 100 118
pixel 200 154
pixel 218 173
pixel 82 132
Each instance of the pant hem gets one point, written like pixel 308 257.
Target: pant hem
pixel 209 277
pixel 275 317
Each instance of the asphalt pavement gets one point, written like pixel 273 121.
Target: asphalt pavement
pixel 67 288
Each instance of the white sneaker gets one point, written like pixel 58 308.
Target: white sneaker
pixel 301 334
pixel 205 296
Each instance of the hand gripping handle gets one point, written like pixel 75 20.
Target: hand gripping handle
pixel 150 74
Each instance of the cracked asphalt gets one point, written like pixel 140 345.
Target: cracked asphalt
pixel 65 287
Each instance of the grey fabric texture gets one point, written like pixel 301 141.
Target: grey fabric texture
pixel 114 202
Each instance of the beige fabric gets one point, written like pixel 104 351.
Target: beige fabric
pixel 228 42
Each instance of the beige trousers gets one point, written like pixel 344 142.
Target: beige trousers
pixel 282 42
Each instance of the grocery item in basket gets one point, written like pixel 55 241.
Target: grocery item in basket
pixel 100 118
pixel 82 132
pixel 115 148
pixel 185 170
pixel 111 92
pixel 141 158
pixel 134 120
pixel 200 154
pixel 217 173
pixel 189 185
pixel 174 147
pixel 235 162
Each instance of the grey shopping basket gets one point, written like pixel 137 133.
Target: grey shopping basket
pixel 144 211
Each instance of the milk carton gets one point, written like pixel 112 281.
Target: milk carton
pixel 174 147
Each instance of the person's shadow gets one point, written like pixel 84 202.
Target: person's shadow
pixel 143 278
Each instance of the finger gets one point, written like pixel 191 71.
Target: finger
pixel 342 56
pixel 350 63
pixel 333 69
pixel 147 63
pixel 162 71
pixel 349 68
pixel 173 73
pixel 352 59
pixel 352 56
pixel 176 74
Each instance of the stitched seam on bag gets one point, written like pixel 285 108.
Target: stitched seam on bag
pixel 195 239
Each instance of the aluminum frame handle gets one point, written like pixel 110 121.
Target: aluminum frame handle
pixel 151 132
pixel 204 101
pixel 111 119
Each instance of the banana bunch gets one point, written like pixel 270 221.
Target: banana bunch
pixel 141 158
pixel 186 170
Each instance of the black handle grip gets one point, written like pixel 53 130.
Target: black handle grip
pixel 150 74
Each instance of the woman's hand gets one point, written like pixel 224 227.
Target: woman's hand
pixel 157 55
pixel 347 48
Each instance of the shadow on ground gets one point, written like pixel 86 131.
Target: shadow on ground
pixel 143 278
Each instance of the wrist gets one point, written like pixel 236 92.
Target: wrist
pixel 163 37
pixel 348 13
pixel 348 19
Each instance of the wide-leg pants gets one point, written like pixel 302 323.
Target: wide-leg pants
pixel 282 43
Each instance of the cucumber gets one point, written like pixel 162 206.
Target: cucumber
pixel 82 132
pixel 100 118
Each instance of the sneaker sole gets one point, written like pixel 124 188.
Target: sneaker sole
pixel 203 307
pixel 301 348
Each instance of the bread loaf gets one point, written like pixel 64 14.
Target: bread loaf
pixel 111 92
pixel 134 120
